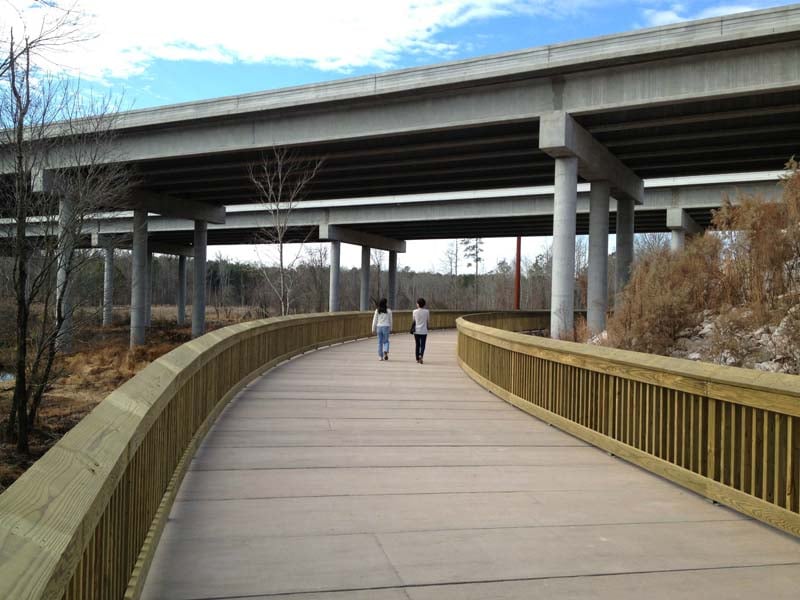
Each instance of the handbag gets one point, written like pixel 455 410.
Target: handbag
pixel 413 327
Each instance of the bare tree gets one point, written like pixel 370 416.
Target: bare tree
pixel 315 263
pixel 220 287
pixel 648 243
pixel 376 257
pixel 54 160
pixel 450 263
pixel 58 26
pixel 282 179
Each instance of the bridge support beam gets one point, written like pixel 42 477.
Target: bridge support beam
pixel 360 238
pixel 199 298
pixel 392 280
pixel 333 289
pixel 108 285
pixel 625 228
pixel 597 289
pixel 181 290
pixel 66 248
pixel 364 300
pixel 139 277
pixel 171 206
pixel 680 223
pixel 565 201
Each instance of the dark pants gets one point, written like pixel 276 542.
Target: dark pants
pixel 419 341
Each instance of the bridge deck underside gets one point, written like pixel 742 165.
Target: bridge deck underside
pixel 338 476
pixel 748 132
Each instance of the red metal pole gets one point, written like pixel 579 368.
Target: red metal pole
pixel 517 270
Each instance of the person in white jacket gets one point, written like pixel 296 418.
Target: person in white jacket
pixel 420 316
pixel 382 325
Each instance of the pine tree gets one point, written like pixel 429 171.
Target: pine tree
pixel 473 249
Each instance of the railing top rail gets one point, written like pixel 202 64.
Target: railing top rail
pixel 772 391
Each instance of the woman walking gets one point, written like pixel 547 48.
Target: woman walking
pixel 421 316
pixel 382 325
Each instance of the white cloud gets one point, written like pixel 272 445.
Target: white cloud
pixel 325 34
pixel 676 13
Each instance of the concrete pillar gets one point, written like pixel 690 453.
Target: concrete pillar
pixel 597 289
pixel 333 291
pixel 66 245
pixel 139 278
pixel 677 240
pixel 392 298
pixel 181 290
pixel 108 286
pixel 364 301
pixel 681 224
pixel 199 299
pixel 565 201
pixel 518 273
pixel 624 243
pixel 148 292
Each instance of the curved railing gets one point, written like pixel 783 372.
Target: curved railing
pixel 83 522
pixel 732 435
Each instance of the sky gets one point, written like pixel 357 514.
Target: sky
pixel 157 52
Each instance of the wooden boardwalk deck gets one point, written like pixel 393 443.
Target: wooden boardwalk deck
pixel 337 476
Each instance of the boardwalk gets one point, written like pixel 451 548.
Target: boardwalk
pixel 337 476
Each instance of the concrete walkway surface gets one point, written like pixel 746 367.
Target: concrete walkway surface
pixel 336 476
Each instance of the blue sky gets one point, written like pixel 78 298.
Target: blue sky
pixel 156 52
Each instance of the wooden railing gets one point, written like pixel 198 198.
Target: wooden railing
pixel 83 522
pixel 732 435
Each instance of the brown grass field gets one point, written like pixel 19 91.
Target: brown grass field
pixel 102 361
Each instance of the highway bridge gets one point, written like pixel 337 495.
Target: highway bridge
pixel 709 97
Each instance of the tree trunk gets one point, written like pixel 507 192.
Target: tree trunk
pixel 20 400
pixel 284 307
pixel 476 279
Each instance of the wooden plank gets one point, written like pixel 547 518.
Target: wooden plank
pixel 757 508
pixel 770 391
pixel 712 440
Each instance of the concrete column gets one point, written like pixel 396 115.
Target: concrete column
pixel 565 201
pixel 624 243
pixel 66 245
pixel 108 286
pixel 139 278
pixel 681 224
pixel 597 289
pixel 181 290
pixel 518 273
pixel 199 299
pixel 148 293
pixel 333 290
pixel 392 280
pixel 677 240
pixel 364 301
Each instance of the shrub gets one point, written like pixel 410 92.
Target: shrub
pixel 666 294
pixel 747 272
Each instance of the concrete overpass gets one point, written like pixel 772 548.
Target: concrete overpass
pixel 714 96
pixel 679 205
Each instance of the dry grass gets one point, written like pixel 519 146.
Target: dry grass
pixel 101 363
pixel 666 294
pixel 747 274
